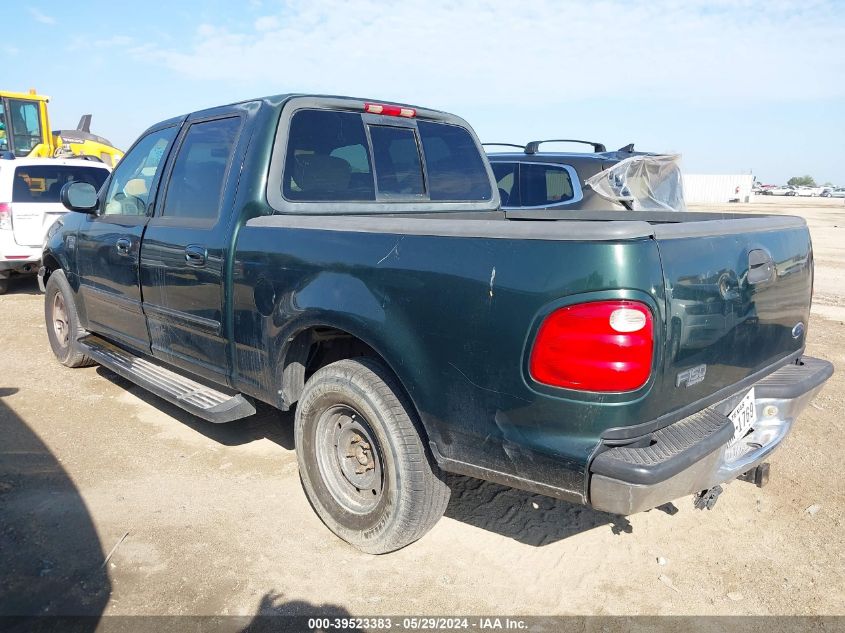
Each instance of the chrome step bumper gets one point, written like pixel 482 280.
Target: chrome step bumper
pixel 690 455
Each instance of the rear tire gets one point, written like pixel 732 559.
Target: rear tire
pixel 362 461
pixel 62 321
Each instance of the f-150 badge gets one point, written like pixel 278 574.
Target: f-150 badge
pixel 691 376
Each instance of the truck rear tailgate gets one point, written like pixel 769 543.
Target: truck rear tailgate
pixel 738 295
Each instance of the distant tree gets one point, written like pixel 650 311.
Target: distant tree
pixel 801 181
pixel 828 184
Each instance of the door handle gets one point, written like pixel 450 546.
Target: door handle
pixel 123 245
pixel 196 255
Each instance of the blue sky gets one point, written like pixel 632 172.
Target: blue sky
pixel 733 86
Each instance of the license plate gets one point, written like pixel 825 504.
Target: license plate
pixel 743 417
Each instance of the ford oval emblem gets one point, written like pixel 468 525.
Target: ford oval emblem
pixel 798 330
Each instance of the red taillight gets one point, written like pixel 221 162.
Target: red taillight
pixel 598 346
pixel 390 110
pixel 5 215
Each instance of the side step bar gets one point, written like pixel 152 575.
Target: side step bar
pixel 205 402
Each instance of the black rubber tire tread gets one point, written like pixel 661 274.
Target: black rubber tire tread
pixel 68 356
pixel 421 496
pixel 4 286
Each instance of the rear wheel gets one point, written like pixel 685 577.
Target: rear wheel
pixel 362 461
pixel 63 322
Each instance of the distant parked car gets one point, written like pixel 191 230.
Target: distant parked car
pixel 808 192
pixel 786 190
pixel 839 192
pixel 29 204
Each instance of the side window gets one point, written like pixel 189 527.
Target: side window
pixel 542 185
pixel 328 158
pixel 196 183
pixel 132 179
pixel 506 180
pixel 25 124
pixel 397 161
pixel 455 168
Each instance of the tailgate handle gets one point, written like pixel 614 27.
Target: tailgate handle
pixel 123 245
pixel 196 255
pixel 761 266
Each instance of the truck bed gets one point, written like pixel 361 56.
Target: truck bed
pixel 456 302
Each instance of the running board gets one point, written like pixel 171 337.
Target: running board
pixel 205 402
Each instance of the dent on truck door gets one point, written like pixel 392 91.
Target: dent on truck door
pixel 109 243
pixel 182 258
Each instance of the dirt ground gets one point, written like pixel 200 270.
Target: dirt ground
pixel 195 518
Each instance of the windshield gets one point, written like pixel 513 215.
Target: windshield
pixel 21 126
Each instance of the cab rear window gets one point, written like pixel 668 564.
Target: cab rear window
pixel 342 156
pixel 43 183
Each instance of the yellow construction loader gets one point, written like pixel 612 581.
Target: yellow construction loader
pixel 25 131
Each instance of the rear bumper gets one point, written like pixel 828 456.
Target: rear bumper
pixel 14 257
pixel 690 455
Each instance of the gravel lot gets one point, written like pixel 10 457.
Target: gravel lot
pixel 205 519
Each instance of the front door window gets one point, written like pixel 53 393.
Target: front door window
pixel 132 180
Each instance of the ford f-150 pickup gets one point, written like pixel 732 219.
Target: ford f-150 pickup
pixel 351 259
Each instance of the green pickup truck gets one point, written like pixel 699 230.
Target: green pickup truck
pixel 351 259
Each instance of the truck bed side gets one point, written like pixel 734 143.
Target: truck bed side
pixel 453 317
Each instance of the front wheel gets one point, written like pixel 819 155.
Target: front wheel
pixel 362 461
pixel 63 322
pixel 4 286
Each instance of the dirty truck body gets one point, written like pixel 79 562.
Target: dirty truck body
pixel 597 358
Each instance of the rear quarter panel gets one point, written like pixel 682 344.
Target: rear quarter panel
pixel 454 318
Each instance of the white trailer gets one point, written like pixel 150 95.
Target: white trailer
pixel 715 189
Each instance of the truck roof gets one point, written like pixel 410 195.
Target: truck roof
pixel 279 99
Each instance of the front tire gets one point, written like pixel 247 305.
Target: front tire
pixel 4 286
pixel 62 321
pixel 362 461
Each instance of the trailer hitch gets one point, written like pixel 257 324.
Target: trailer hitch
pixel 706 499
pixel 759 475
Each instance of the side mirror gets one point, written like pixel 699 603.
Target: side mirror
pixel 80 196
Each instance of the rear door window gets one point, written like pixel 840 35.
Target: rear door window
pixel 543 185
pixel 43 183
pixel 195 188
